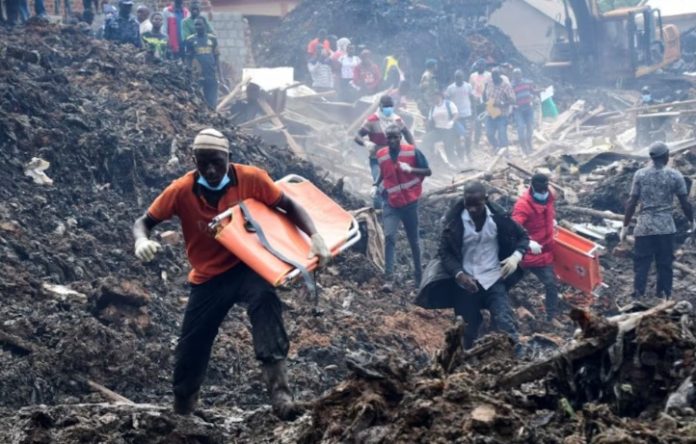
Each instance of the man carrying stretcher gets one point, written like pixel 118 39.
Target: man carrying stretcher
pixel 218 279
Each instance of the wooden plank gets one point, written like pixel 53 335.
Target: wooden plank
pixel 294 146
pixel 371 109
pixel 592 213
pixel 565 117
pixel 222 104
pixel 660 106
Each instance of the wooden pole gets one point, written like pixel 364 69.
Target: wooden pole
pixel 294 146
pixel 229 97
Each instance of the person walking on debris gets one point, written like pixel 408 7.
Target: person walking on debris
pixel 524 110
pixel 189 24
pixel 348 63
pixel 218 279
pixel 319 67
pixel 375 127
pixel 478 79
pixel 442 118
pixel 203 48
pixel 366 75
pixel 479 251
pixel 123 28
pixel 535 212
pixel 155 41
pixel 498 97
pixel 654 187
pixel 428 86
pixel 402 170
pixel 461 94
pixel 174 16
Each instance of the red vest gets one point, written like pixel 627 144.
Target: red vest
pixel 401 188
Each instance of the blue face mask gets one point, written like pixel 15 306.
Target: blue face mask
pixel 540 197
pixel 204 183
pixel 388 111
pixel 647 98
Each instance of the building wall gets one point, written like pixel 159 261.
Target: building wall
pixel 532 32
pixel 273 8
pixel 234 38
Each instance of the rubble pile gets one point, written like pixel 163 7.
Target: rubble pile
pixel 79 312
pixel 413 30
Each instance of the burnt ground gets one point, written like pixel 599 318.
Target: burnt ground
pixel 99 117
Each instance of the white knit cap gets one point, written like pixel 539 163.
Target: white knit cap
pixel 211 139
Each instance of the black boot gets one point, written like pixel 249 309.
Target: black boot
pixel 185 406
pixel 276 379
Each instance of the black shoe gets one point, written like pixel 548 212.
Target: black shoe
pixel 284 407
pixel 185 406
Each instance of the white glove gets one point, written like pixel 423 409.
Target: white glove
pixel 373 191
pixel 623 233
pixel 534 247
pixel 145 249
pixel 173 162
pixel 406 168
pixel 509 265
pixel 692 226
pixel 319 249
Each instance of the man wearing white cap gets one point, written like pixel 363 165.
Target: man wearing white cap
pixel 218 279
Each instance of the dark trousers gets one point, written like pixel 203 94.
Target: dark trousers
pixel 392 218
pixel 548 279
pixel 496 129
pixel 207 307
pixel 210 91
pixel 524 117
pixel 659 248
pixel 449 137
pixel 495 300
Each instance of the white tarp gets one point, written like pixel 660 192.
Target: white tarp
pixel 270 78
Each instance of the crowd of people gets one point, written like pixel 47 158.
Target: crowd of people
pixel 175 33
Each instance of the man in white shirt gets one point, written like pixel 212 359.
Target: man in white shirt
pixel 461 94
pixel 441 120
pixel 478 256
pixel 142 14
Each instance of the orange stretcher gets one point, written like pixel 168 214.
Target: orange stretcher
pixel 575 261
pixel 269 243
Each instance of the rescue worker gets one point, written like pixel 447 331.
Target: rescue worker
pixel 402 169
pixel 479 252
pixel 218 279
pixel 654 187
pixel 374 128
pixel 203 48
pixel 123 28
pixel 535 212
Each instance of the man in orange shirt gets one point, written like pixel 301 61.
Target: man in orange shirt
pixel 218 279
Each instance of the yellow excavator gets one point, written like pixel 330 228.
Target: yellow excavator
pixel 613 46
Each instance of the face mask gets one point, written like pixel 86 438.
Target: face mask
pixel 388 111
pixel 540 197
pixel 647 98
pixel 202 182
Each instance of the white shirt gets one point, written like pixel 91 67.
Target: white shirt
pixel 442 117
pixel 480 250
pixel 478 82
pixel 460 95
pixel 145 26
pixel 348 64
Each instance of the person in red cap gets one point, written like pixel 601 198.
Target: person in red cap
pixel 218 279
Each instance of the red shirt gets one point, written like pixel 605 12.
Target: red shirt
pixel 183 198
pixel 312 46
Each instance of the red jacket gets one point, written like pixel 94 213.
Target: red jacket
pixel 537 219
pixel 401 188
pixel 367 76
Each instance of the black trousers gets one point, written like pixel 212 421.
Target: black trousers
pixel 495 300
pixel 547 277
pixel 207 307
pixel 659 248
